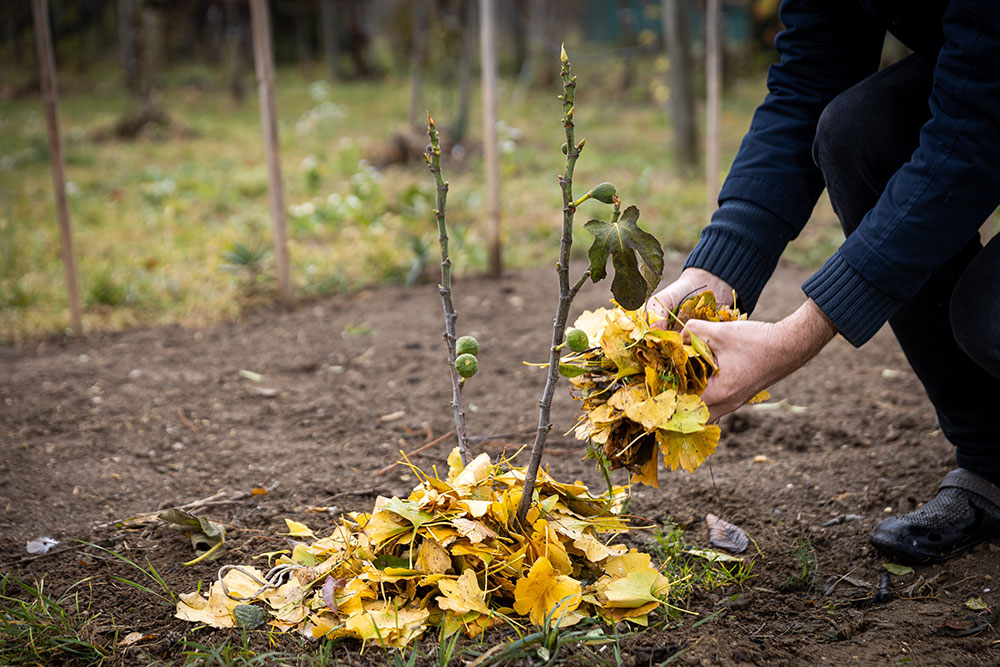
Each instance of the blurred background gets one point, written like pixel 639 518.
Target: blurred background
pixel 166 171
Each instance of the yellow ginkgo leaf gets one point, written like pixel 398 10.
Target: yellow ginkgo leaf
pixel 635 589
pixel 655 412
pixel 388 626
pixel 627 396
pixel 544 593
pixel 545 543
pixel 296 529
pixel 622 566
pixel 690 415
pixel 475 531
pixel 432 558
pixel 477 470
pixel 195 608
pixel 649 473
pixel 688 450
pixel 462 595
pixel 760 397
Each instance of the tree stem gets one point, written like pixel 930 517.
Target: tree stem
pixel 433 159
pixel 566 292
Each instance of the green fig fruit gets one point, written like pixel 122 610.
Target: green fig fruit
pixel 467 345
pixel 466 365
pixel 604 193
pixel 577 340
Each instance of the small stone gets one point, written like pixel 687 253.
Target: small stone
pixel 177 446
pixel 134 374
pixel 887 510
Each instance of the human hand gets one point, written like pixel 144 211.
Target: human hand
pixel 691 281
pixel 752 356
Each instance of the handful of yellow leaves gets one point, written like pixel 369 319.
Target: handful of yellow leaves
pixel 641 387
pixel 447 556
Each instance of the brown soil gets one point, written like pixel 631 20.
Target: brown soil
pixel 120 424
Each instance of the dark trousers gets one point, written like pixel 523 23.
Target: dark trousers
pixel 950 331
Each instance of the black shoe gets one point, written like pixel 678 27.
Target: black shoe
pixel 965 512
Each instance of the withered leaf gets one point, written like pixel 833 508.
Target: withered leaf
pixel 725 535
pixel 635 254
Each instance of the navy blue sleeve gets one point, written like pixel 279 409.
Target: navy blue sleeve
pixel 937 201
pixel 773 184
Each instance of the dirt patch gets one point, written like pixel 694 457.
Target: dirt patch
pixel 120 424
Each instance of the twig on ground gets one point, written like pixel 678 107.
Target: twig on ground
pixel 418 450
pixel 187 422
pixel 214 499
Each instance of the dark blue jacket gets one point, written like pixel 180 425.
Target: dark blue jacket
pixel 931 207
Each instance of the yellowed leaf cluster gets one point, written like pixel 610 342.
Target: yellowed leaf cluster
pixel 641 387
pixel 450 556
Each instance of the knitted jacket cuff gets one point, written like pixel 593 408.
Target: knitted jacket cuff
pixel 742 246
pixel 855 306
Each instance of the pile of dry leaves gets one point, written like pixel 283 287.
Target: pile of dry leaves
pixel 447 556
pixel 641 387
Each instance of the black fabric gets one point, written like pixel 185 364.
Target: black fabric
pixel 950 331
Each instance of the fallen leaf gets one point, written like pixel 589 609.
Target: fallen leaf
pixel 976 604
pixel 725 535
pixel 134 637
pixel 713 556
pixel 462 595
pixel 544 594
pixel 297 529
pixel 898 570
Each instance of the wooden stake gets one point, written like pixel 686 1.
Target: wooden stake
pixel 713 75
pixel 264 63
pixel 491 155
pixel 50 93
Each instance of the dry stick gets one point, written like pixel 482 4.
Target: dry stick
pixel 566 292
pixel 491 153
pixel 47 72
pixel 418 450
pixel 433 159
pixel 264 62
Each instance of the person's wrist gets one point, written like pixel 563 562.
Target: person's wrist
pixel 804 333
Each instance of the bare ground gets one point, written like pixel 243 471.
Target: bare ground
pixel 99 430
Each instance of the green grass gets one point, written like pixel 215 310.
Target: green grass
pixel 156 222
pixel 37 628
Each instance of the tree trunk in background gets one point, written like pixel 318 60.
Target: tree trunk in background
pixel 417 57
pixel 303 37
pixel 491 153
pixel 264 64
pixel 50 93
pixel 237 37
pixel 357 38
pixel 713 81
pixel 536 25
pixel 126 45
pixel 626 19
pixel 328 30
pixel 151 40
pixel 677 34
pixel 461 125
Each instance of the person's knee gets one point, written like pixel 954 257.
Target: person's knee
pixel 847 135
